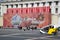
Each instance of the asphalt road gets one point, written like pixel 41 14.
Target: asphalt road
pixel 15 34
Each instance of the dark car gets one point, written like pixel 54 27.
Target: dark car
pixel 58 28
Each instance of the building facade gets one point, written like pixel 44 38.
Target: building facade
pixel 53 4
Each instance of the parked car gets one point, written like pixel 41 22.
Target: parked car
pixel 47 29
pixel 58 28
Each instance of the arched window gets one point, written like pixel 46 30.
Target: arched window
pixel 26 5
pixel 56 2
pixel 50 3
pixel 21 5
pixel 16 5
pixel 32 4
pixel 43 3
pixel 37 4
pixel 11 6
pixel 7 6
pixel 56 10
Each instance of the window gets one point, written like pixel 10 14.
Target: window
pixel 43 3
pixel 16 5
pixel 56 2
pixel 26 5
pixel 21 5
pixel 12 6
pixel 7 6
pixel 56 10
pixel 37 4
pixel 50 3
pixel 32 4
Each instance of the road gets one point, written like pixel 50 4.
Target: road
pixel 15 34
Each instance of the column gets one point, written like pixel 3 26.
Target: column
pixel 53 4
pixel 53 10
pixel 19 6
pixel 3 9
pixel 46 4
pixel 9 6
pixel 59 8
pixel 41 5
pixel 14 6
pixel 54 19
pixel 35 5
pixel 29 5
pixel 24 5
pixel 58 20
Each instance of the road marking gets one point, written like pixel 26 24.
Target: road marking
pixel 6 35
pixel 28 38
pixel 16 34
pixel 44 37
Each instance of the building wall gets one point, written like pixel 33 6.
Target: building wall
pixel 54 5
pixel 1 18
pixel 54 19
pixel 1 21
pixel 0 10
pixel 58 20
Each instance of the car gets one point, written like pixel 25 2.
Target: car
pixel 59 28
pixel 46 29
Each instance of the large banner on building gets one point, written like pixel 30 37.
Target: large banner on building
pixel 25 17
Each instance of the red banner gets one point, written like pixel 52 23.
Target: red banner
pixel 27 12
